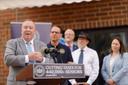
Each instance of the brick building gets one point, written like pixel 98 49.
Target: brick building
pixel 84 16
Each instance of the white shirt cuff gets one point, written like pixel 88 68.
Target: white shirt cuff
pixel 43 60
pixel 72 81
pixel 89 82
pixel 26 59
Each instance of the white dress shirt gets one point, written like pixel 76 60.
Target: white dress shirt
pixel 90 61
pixel 33 50
pixel 112 60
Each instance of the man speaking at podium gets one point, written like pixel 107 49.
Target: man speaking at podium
pixel 21 51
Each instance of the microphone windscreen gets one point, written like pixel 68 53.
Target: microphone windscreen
pixel 62 51
pixel 42 50
pixel 48 50
pixel 52 50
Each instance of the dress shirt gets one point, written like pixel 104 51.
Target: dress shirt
pixel 90 61
pixel 72 47
pixel 112 60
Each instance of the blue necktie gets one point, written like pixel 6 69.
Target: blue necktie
pixel 29 49
pixel 81 57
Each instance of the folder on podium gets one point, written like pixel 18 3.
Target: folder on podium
pixel 50 74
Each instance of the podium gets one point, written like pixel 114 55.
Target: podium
pixel 50 74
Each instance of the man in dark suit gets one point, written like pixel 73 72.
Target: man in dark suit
pixel 69 36
pixel 21 51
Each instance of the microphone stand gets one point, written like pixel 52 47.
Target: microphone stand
pixel 60 56
pixel 53 55
pixel 57 55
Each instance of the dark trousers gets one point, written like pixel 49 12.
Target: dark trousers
pixel 66 82
pixel 84 80
pixel 78 80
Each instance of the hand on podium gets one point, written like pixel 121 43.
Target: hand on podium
pixel 36 56
pixel 31 82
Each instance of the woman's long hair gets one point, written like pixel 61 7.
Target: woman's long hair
pixel 122 48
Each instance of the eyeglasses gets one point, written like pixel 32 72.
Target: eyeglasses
pixel 68 34
pixel 55 32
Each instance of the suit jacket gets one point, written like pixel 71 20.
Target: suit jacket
pixel 74 47
pixel 119 70
pixel 14 58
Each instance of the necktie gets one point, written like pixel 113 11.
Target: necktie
pixel 69 45
pixel 29 49
pixel 81 58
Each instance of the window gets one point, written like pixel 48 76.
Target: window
pixel 101 38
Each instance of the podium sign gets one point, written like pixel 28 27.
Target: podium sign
pixel 56 71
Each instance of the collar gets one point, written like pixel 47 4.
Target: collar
pixel 83 48
pixel 68 44
pixel 50 45
pixel 31 41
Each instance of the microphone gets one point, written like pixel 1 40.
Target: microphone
pixel 54 53
pixel 52 50
pixel 48 50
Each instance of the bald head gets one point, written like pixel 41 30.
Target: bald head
pixel 28 30
pixel 69 35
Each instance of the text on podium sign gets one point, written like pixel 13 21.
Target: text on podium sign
pixel 54 71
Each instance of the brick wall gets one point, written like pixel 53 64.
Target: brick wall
pixel 92 15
